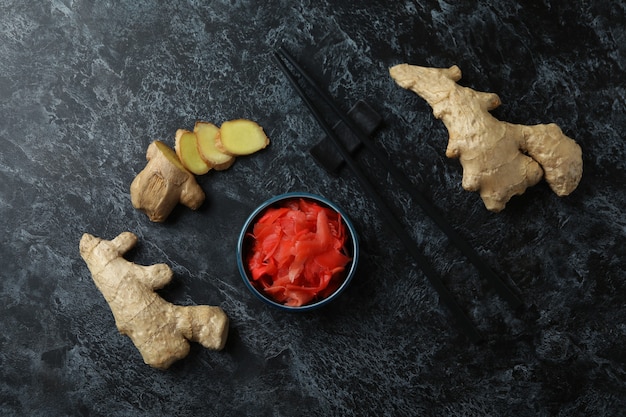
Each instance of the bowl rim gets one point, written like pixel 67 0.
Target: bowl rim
pixel 288 196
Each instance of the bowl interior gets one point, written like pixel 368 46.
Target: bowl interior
pixel 245 242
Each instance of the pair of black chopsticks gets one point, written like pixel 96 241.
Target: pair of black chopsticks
pixel 282 58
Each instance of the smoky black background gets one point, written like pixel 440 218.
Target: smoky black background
pixel 85 87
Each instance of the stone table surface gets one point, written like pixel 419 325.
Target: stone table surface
pixel 86 86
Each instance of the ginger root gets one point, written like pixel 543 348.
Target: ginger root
pixel 164 183
pixel 499 159
pixel 169 176
pixel 160 330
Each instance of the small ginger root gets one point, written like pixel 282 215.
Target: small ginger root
pixel 241 137
pixel 161 331
pixel 164 183
pixel 499 159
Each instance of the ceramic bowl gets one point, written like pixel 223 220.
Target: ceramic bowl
pixel 246 241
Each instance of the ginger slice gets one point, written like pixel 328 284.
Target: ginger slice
pixel 187 150
pixel 241 137
pixel 161 331
pixel 163 183
pixel 499 159
pixel 206 134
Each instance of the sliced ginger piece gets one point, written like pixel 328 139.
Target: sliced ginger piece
pixel 161 331
pixel 163 183
pixel 241 137
pixel 187 151
pixel 206 134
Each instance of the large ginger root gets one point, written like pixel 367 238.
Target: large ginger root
pixel 160 330
pixel 164 183
pixel 499 159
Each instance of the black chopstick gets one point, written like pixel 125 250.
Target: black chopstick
pixel 465 323
pixel 465 248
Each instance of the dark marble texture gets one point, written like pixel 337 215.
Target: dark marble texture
pixel 85 86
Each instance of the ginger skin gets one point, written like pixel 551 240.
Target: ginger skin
pixel 160 330
pixel 164 183
pixel 499 159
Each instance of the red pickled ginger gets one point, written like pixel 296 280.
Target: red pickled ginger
pixel 298 253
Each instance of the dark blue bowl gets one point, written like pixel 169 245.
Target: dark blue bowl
pixel 245 241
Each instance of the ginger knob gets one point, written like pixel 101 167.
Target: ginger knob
pixel 499 159
pixel 164 183
pixel 161 331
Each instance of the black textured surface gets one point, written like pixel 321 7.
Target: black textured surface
pixel 86 86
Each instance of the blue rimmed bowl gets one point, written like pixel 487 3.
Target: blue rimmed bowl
pixel 245 242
